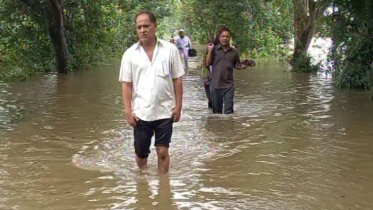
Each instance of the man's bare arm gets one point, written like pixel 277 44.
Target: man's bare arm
pixel 208 58
pixel 127 96
pixel 178 87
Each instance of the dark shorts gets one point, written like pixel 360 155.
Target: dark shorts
pixel 144 132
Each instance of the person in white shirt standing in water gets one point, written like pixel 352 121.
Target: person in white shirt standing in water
pixel 151 74
pixel 183 43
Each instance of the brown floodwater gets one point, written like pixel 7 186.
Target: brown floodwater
pixel 295 142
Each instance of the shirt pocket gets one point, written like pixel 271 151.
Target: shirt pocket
pixel 163 69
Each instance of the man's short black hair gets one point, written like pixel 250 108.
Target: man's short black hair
pixel 225 29
pixel 151 16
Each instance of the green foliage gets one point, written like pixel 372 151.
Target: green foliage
pixel 258 26
pixel 23 51
pixel 351 24
pixel 270 26
pixel 95 31
pixel 100 30
pixel 303 63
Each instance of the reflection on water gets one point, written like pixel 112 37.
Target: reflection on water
pixel 295 142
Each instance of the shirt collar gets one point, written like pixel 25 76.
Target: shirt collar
pixel 220 47
pixel 157 43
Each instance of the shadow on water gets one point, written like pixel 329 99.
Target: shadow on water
pixel 294 142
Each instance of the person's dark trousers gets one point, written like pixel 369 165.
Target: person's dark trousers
pixel 208 95
pixel 222 96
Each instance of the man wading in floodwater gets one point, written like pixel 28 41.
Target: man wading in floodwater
pixel 151 75
pixel 223 59
pixel 183 43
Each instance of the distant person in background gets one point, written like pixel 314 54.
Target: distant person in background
pixel 172 40
pixel 183 43
pixel 224 59
pixel 206 71
pixel 286 40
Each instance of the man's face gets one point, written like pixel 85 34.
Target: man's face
pixel 224 38
pixel 181 34
pixel 145 29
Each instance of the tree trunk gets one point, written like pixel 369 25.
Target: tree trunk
pixel 304 24
pixel 57 35
pixel 303 42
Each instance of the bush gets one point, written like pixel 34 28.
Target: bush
pixel 303 63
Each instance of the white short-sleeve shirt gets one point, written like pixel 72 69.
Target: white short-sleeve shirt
pixel 153 96
pixel 183 42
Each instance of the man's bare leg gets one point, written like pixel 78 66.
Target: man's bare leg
pixel 163 159
pixel 141 162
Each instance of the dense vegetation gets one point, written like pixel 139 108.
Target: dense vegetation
pixel 351 28
pixel 39 36
pixel 64 36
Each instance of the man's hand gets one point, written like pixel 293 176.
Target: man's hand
pixel 243 66
pixel 210 46
pixel 251 63
pixel 176 113
pixel 246 63
pixel 132 119
pixel 240 66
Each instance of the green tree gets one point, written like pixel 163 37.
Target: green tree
pixel 73 34
pixel 307 15
pixel 257 26
pixel 351 28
